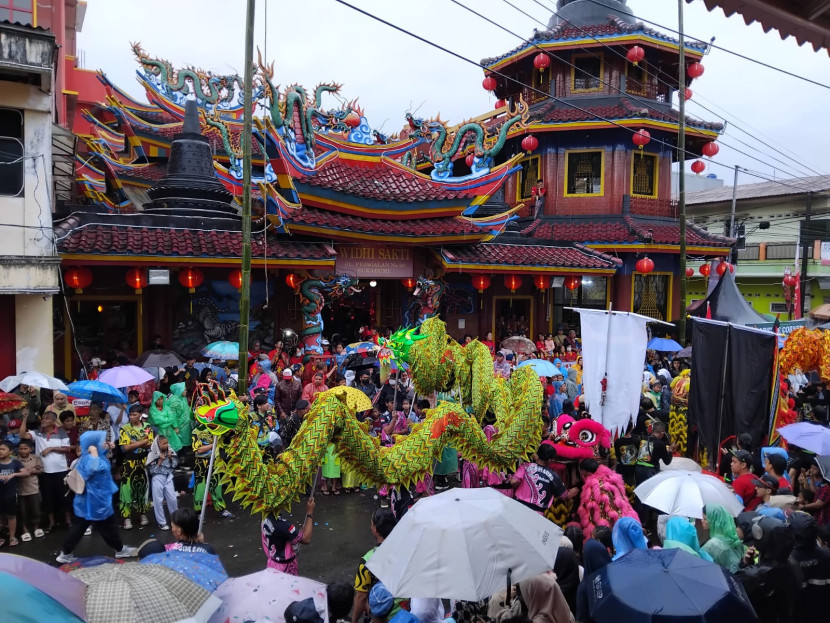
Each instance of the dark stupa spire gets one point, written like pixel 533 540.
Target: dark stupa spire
pixel 581 13
pixel 191 185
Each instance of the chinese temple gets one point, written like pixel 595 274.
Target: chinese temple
pixel 557 198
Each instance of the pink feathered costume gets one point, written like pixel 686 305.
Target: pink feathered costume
pixel 603 501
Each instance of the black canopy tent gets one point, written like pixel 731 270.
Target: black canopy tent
pixel 726 303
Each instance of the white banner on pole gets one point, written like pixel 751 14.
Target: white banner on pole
pixel 625 348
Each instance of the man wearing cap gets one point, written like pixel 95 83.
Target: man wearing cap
pixel 743 480
pixel 287 393
pixel 501 367
pixel 765 487
pixel 13 434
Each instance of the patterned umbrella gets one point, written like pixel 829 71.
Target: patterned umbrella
pixel 362 347
pixel 204 569
pixel 135 593
pixel 125 376
pixel 10 402
pixel 222 350
pixel 96 390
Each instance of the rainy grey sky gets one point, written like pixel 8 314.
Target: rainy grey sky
pixel 321 40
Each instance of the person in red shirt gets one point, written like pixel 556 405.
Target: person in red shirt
pixel 538 193
pixel 743 480
pixel 776 465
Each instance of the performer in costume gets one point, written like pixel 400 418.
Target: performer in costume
pixel 202 449
pixel 135 440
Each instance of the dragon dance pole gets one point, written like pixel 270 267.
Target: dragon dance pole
pixel 247 132
pixel 207 485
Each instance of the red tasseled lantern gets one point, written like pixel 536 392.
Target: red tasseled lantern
pixel 542 282
pixel 690 272
pixel 481 283
pixel 696 70
pixel 641 138
pixel 644 265
pixel 635 54
pixel 292 280
pixel 191 278
pixel 235 278
pixel 500 104
pixel 408 283
pixel 572 283
pixel 78 278
pixel 541 61
pixel 710 149
pixel 137 279
pixel 489 83
pixel 530 143
pixel 705 269
pixel 698 166
pixel 512 282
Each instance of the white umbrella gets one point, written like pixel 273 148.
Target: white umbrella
pixel 685 493
pixel 125 376
pixel 35 379
pixel 811 437
pixel 461 544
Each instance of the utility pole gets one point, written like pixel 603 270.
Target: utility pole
pixel 806 240
pixel 732 215
pixel 247 133
pixel 681 177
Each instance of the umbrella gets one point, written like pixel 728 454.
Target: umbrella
pixel 686 353
pixel 519 344
pixel 222 350
pixel 90 561
pixel 264 596
pixel 96 390
pixel 665 585
pixel 125 376
pixel 362 347
pixel 394 364
pixel 11 402
pixel 24 603
pixel 35 379
pixel 204 569
pixel 663 344
pixel 464 544
pixel 38 577
pixel 685 493
pixel 811 437
pixel 135 592
pixel 362 364
pixel 543 367
pixel 355 399
pixel 159 359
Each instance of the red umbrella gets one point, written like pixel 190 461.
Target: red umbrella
pixel 10 402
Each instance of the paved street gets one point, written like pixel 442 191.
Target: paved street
pixel 341 536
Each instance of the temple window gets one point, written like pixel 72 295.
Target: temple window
pixel 18 11
pixel 644 175
pixel 586 73
pixel 651 295
pixel 528 177
pixel 11 152
pixel 584 172
pixel 636 80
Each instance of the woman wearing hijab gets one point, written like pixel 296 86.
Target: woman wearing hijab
pixel 723 545
pixel 680 534
pixel 566 569
pixel 542 599
pixel 594 558
pixel 164 419
pixel 627 535
pixel 60 403
pixel 183 417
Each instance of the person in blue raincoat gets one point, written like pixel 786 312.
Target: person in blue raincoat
pixel 94 505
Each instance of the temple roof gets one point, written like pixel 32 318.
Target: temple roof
pixel 492 256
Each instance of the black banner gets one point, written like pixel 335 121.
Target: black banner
pixel 751 357
pixel 708 359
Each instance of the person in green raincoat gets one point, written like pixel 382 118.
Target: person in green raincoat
pixel 724 545
pixel 178 404
pixel 164 418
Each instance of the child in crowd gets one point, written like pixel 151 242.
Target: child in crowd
pixel 10 470
pixel 13 434
pixel 67 420
pixel 185 524
pixel 28 491
pixel 161 461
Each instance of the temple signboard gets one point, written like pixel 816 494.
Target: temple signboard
pixel 373 261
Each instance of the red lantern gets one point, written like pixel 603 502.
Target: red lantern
pixel 698 166
pixel 542 282
pixel 641 138
pixel 500 104
pixel 572 283
pixel 235 278
pixel 78 278
pixel 137 279
pixel 512 282
pixel 541 61
pixel 790 280
pixel 705 269
pixel 644 265
pixel 408 283
pixel 292 280
pixel 722 266
pixel 489 83
pixel 635 54
pixel 481 283
pixel 690 272
pixel 695 70
pixel 710 149
pixel 530 143
pixel 688 92
pixel 470 160
pixel 191 278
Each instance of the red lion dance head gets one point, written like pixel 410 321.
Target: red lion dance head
pixel 579 439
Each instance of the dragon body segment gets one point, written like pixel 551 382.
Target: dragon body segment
pixel 515 404
pixel 313 292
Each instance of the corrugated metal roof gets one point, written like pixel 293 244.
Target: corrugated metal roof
pixel 794 186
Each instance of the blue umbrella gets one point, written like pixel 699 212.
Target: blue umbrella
pixel 222 350
pixel 204 569
pixel 28 604
pixel 96 390
pixel 663 586
pixel 664 344
pixel 542 367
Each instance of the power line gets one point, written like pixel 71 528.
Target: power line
pixel 793 172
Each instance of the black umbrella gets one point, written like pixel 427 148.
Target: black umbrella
pixel 159 359
pixel 360 363
pixel 666 586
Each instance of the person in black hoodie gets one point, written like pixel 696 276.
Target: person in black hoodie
pixel 773 585
pixel 814 563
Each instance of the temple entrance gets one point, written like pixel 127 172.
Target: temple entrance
pixel 512 315
pixel 345 316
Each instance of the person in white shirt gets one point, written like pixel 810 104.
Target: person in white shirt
pixel 52 445
pixel 118 417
